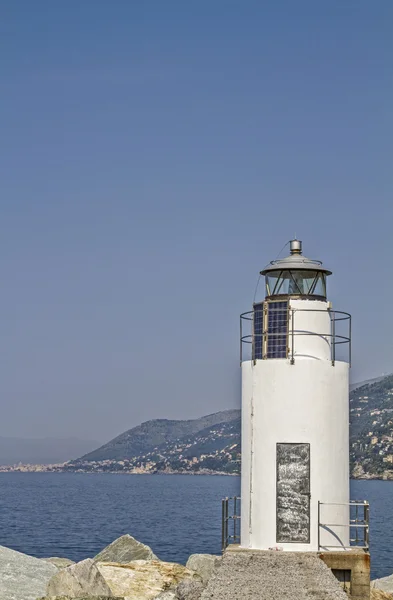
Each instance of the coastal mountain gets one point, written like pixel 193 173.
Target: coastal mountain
pixel 178 446
pixel 371 429
pixel 355 386
pixel 42 451
pixel 212 444
pixel 153 434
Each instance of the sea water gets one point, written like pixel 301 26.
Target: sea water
pixel 76 514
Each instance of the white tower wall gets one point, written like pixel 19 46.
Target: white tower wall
pixel 301 403
pixel 312 327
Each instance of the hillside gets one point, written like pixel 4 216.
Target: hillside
pixel 213 449
pixel 371 429
pixel 154 434
pixel 212 443
pixel 355 386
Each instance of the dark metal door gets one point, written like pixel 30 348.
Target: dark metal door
pixel 293 493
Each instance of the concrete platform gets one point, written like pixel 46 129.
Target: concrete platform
pixel 352 568
pixel 269 575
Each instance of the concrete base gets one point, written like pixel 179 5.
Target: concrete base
pixel 352 569
pixel 246 574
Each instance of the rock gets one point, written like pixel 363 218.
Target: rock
pixel 379 595
pixel 81 598
pixel 124 550
pixel 189 590
pixel 23 577
pixel 385 584
pixel 203 564
pixel 166 596
pixel 60 563
pixel 143 579
pixel 81 579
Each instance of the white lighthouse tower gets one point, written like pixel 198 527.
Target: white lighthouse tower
pixel 295 413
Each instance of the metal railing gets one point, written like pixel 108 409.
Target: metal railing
pixel 255 341
pixel 230 522
pixel 359 526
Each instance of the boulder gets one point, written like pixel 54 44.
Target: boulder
pixel 144 579
pixel 203 564
pixel 81 598
pixel 124 550
pixel 189 590
pixel 385 584
pixel 76 581
pixel 23 577
pixel 379 595
pixel 60 563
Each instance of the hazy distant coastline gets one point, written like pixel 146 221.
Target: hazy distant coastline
pixel 44 451
pixel 64 468
pixel 211 444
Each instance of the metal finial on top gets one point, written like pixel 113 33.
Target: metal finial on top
pixel 296 246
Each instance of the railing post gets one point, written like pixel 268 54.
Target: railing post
pixel 226 522
pixel 319 526
pixel 293 336
pixel 253 337
pixel 241 340
pixel 234 518
pixel 333 322
pixel 223 524
pixel 366 522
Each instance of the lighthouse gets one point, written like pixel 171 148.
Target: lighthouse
pixel 295 359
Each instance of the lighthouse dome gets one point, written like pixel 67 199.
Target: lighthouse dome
pixel 296 275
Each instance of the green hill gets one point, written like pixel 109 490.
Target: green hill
pixel 371 429
pixel 153 434
pixel 212 443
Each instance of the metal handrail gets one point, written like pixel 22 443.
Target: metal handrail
pixel 227 537
pixel 335 338
pixel 362 524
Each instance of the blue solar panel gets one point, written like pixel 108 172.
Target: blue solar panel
pixel 258 331
pixel 277 329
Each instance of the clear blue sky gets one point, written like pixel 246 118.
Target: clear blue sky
pixel 154 157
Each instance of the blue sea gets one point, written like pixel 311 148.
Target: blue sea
pixel 76 515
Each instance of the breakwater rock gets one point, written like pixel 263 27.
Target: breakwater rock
pixel 204 565
pixel 124 570
pixel 60 563
pixel 125 549
pixel 81 579
pixel 23 577
pixel 385 584
pixel 376 594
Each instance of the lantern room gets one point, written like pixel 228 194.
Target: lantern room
pixel 295 319
pixel 296 276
